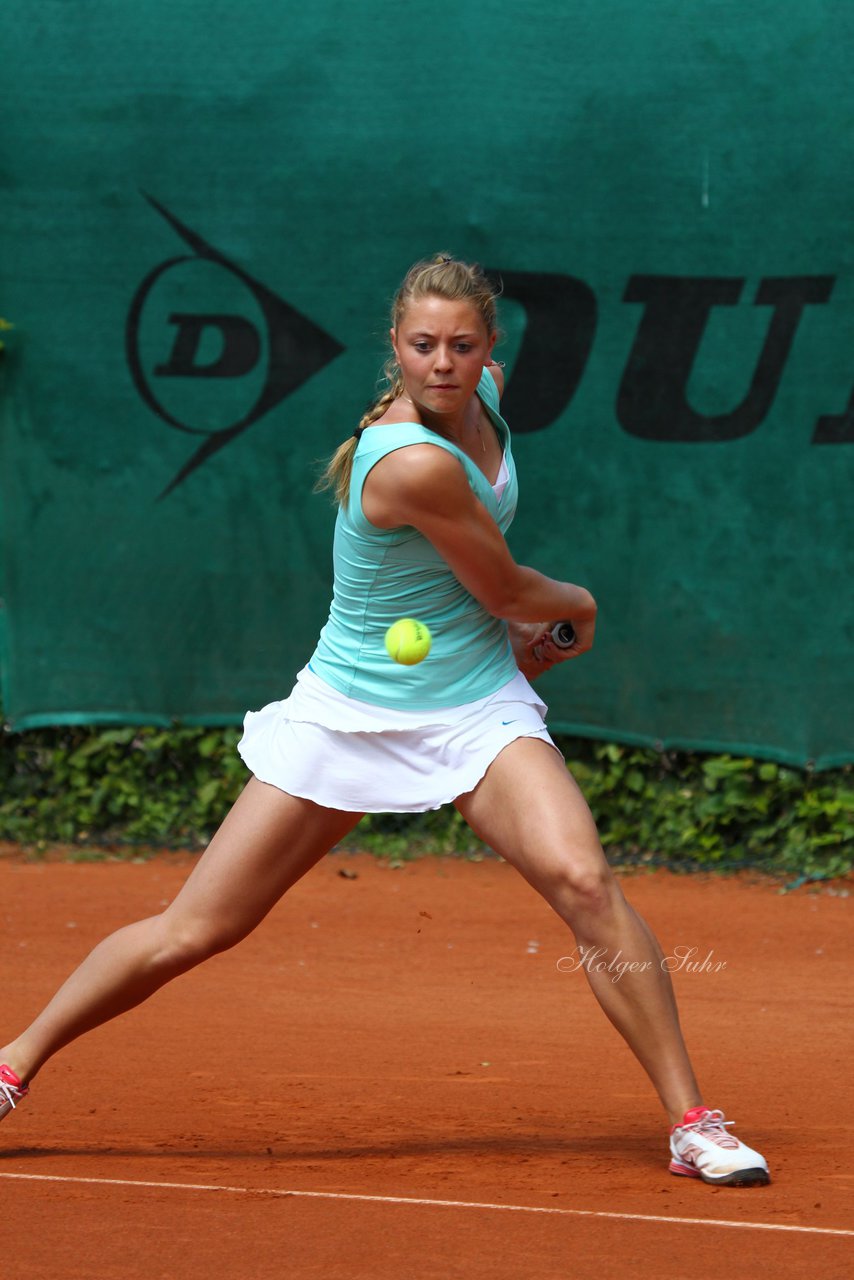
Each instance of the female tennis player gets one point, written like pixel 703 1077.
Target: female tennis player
pixel 426 489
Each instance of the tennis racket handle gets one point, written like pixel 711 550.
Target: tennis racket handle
pixel 563 635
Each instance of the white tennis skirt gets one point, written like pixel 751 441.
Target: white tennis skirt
pixel 351 755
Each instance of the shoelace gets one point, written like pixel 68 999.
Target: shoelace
pixel 711 1125
pixel 10 1093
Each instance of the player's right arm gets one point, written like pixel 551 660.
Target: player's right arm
pixel 427 488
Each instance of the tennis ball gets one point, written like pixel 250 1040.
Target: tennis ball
pixel 408 641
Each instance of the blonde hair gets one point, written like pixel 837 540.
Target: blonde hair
pixel 443 277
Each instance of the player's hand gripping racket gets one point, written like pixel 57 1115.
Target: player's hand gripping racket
pixel 562 636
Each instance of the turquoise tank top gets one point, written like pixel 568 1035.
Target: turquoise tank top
pixel 385 574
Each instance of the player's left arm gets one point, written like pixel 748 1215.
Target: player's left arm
pixel 530 641
pixel 496 369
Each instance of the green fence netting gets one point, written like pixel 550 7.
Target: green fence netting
pixel 205 210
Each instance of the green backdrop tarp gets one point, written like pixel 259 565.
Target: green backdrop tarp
pixel 205 209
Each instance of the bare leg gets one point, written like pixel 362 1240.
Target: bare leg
pixel 266 843
pixel 529 809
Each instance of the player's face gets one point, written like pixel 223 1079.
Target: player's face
pixel 441 347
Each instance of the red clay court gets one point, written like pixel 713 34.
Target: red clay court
pixel 392 1078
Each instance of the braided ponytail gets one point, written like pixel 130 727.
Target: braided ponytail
pixel 393 378
pixel 443 277
pixel 336 474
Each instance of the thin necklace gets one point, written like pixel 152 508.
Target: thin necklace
pixel 477 424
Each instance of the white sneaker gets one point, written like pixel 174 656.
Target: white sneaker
pixel 11 1090
pixel 702 1147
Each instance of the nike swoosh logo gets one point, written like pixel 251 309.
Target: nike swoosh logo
pixel 508 721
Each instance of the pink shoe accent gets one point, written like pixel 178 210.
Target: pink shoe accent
pixel 11 1089
pixel 694 1114
pixel 691 1117
pixel 684 1169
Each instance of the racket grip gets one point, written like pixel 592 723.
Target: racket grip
pixel 563 635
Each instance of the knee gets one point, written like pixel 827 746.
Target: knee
pixel 583 888
pixel 186 943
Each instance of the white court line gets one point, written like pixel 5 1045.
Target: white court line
pixel 443 1204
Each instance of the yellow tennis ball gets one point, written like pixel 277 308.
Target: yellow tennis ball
pixel 408 641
